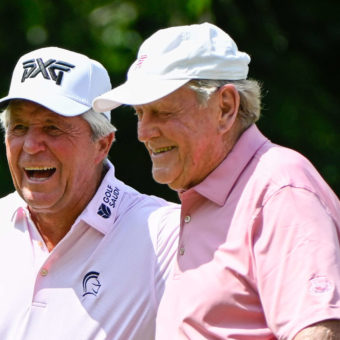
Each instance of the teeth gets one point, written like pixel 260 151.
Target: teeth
pixel 167 148
pixel 38 168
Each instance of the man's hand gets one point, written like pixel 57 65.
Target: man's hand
pixel 326 330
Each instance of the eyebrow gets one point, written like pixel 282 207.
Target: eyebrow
pixel 17 117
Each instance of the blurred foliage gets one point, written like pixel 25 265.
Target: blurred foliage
pixel 293 45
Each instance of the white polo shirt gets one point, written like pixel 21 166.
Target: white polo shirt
pixel 103 280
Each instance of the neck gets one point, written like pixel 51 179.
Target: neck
pixel 232 137
pixel 51 228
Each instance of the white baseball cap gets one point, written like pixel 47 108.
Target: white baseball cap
pixel 63 81
pixel 173 56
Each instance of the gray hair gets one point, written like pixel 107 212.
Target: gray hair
pixel 99 124
pixel 249 91
pixel 4 119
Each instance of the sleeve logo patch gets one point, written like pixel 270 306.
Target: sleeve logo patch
pixel 320 285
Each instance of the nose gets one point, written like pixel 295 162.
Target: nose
pixel 34 141
pixel 147 128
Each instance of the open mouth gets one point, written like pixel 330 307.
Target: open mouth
pixel 161 150
pixel 39 172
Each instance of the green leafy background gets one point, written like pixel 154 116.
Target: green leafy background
pixel 294 47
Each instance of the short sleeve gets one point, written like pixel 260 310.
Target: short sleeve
pixel 297 260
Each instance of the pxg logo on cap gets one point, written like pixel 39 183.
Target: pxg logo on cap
pixel 60 80
pixel 47 69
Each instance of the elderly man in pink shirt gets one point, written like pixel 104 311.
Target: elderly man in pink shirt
pixel 259 254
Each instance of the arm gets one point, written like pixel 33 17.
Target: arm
pixel 326 330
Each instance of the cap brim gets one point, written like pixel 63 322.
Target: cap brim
pixel 137 92
pixel 60 104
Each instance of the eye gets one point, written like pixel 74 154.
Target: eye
pixel 18 129
pixel 52 130
pixel 164 114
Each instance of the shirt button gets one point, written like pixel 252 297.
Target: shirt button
pixel 181 251
pixel 43 272
pixel 187 219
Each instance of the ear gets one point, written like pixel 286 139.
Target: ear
pixel 229 102
pixel 103 146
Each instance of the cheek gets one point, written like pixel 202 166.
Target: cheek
pixel 82 161
pixel 193 144
pixel 201 151
pixel 12 152
pixel 15 172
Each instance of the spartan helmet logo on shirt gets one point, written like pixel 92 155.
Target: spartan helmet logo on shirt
pixel 51 69
pixel 91 283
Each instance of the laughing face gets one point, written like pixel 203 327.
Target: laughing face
pixel 183 138
pixel 47 159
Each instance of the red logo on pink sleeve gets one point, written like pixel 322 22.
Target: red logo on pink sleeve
pixel 320 285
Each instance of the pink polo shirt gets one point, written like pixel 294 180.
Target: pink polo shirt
pixel 259 254
pixel 103 281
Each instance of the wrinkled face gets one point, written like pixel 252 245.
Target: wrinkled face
pixel 183 138
pixel 52 159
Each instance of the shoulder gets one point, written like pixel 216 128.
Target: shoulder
pixel 161 217
pixel 9 203
pixel 167 215
pixel 8 206
pixel 280 179
pixel 281 162
pixel 157 210
pixel 137 208
pixel 133 199
pixel 276 167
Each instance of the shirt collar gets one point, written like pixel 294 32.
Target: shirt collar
pixel 217 186
pixel 16 203
pixel 100 213
pixel 102 210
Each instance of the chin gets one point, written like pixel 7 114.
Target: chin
pixel 169 183
pixel 38 202
pixel 161 178
pixel 164 176
pixel 38 205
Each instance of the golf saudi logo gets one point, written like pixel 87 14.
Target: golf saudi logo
pixel 109 201
pixel 104 211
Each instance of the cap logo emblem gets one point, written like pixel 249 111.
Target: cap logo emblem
pixel 51 69
pixel 141 60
